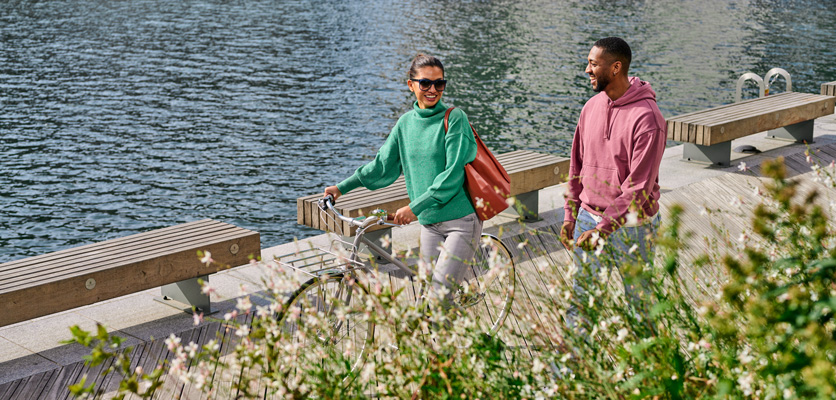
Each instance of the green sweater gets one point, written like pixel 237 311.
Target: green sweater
pixel 431 162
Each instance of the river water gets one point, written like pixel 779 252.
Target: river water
pixel 117 117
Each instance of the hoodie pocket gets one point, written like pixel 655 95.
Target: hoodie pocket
pixel 601 185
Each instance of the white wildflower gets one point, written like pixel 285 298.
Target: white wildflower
pixel 742 167
pixel 632 218
pixel 744 357
pixel 206 289
pixel 622 334
pixel 172 342
pixel 198 318
pixel 633 248
pixel 538 366
pixel 244 304
pixel 783 297
pixel 745 383
pixel 242 331
pixel 207 258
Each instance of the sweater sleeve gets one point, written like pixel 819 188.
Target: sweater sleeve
pixel 575 185
pixel 381 172
pixel 644 171
pixel 460 149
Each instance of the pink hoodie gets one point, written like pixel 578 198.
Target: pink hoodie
pixel 616 152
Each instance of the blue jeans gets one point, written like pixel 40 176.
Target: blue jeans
pixel 616 252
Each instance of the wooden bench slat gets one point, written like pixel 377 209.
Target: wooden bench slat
pixel 725 123
pixel 730 130
pixel 742 104
pixel 107 250
pixel 829 88
pixel 139 252
pixel 119 267
pixel 25 280
pixel 116 241
pixel 683 117
pixel 766 105
pixel 735 114
pixel 528 171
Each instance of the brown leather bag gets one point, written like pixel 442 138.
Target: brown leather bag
pixel 486 181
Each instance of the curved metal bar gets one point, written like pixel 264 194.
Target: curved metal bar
pixel 744 78
pixel 777 71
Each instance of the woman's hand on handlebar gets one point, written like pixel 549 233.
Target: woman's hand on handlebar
pixel 333 192
pixel 404 215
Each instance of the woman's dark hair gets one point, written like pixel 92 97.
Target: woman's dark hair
pixel 421 61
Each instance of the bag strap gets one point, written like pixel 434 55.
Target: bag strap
pixel 447 123
pixel 447 118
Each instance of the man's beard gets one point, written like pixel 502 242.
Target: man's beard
pixel 600 84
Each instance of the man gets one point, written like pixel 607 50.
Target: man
pixel 612 202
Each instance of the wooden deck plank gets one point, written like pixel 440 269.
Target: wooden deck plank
pixel 66 376
pixel 35 385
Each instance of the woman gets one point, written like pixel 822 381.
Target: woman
pixel 432 163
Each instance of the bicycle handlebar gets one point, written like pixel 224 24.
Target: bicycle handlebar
pixel 327 204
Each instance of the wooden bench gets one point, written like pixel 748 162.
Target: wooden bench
pixel 529 172
pixel 708 133
pixel 828 89
pixel 59 281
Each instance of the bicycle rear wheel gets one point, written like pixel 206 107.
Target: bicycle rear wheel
pixel 489 285
pixel 324 321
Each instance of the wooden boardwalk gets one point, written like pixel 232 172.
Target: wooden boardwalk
pixel 731 197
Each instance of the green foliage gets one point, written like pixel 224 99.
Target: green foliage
pixel 766 332
pixel 105 348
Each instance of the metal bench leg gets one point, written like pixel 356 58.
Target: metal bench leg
pixel 717 154
pixel 189 293
pixel 530 203
pixel 801 132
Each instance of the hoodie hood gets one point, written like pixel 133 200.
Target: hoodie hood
pixel 639 90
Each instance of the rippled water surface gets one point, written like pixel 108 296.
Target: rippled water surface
pixel 117 117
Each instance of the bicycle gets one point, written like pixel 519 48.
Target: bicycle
pixel 334 286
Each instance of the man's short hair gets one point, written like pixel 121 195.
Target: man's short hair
pixel 616 48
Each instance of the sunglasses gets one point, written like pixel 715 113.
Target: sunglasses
pixel 425 84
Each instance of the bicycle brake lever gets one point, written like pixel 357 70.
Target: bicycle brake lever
pixel 322 202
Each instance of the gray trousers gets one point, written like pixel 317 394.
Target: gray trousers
pixel 453 244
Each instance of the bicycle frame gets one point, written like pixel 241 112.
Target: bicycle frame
pixel 327 204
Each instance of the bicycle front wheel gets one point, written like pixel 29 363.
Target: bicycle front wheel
pixel 324 323
pixel 490 282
